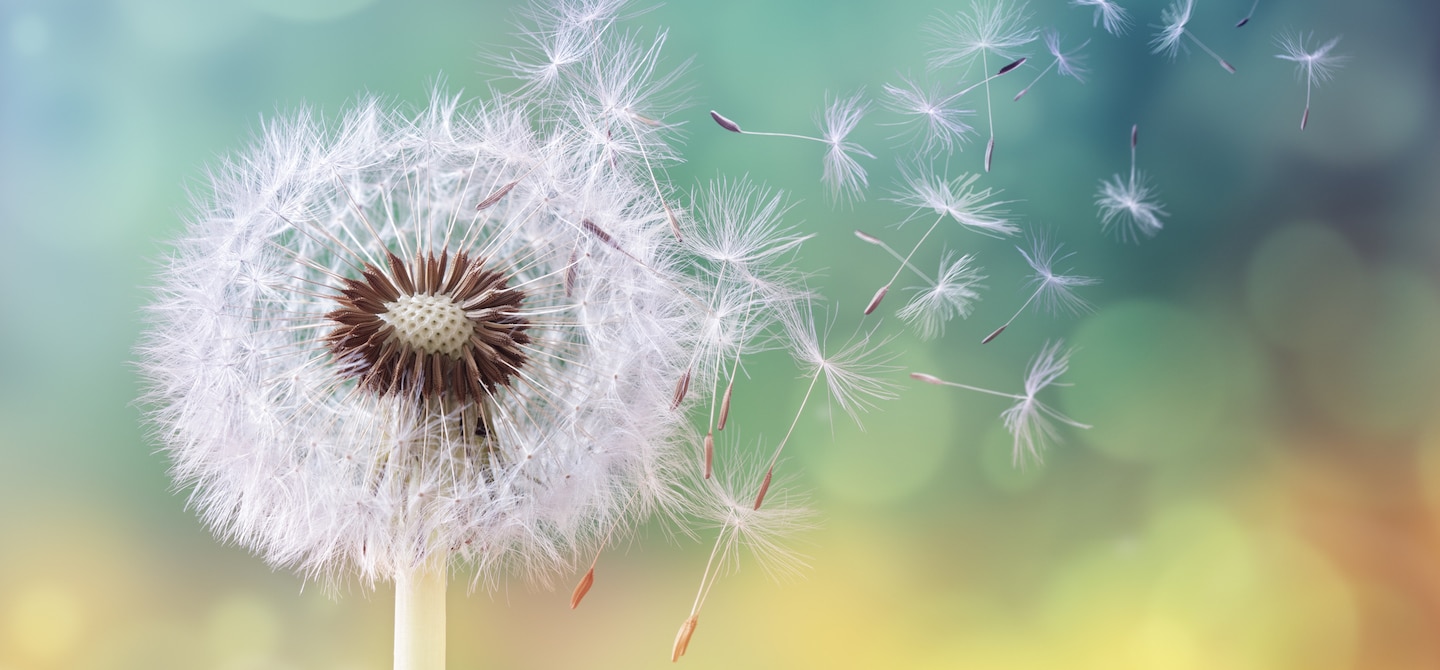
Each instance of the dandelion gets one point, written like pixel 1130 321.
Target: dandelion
pixel 1130 205
pixel 1114 17
pixel 1316 66
pixel 1055 292
pixel 990 28
pixel 843 174
pixel 461 335
pixel 1068 65
pixel 957 199
pixel 1174 19
pixel 1029 421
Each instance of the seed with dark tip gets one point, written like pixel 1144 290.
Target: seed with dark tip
pixel 725 123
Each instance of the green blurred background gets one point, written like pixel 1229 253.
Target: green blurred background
pixel 1261 488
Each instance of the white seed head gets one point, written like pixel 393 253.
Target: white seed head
pixel 361 358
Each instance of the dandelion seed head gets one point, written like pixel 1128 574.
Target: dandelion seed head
pixel 937 125
pixel 1114 17
pixel 993 27
pixel 1030 421
pixel 952 295
pixel 1071 64
pixel 843 174
pixel 1172 29
pixel 853 373
pixel 958 198
pixel 1315 66
pixel 1054 291
pixel 1129 207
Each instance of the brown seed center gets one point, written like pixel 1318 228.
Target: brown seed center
pixel 430 329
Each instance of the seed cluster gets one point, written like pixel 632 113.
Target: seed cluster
pixel 437 329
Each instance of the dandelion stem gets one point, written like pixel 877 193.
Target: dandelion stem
pixel 983 82
pixel 1002 328
pixel 798 412
pixel 893 254
pixel 1134 139
pixel 1305 118
pixel 977 389
pixel 1036 80
pixel 420 617
pixel 1223 63
pixel 989 112
pixel 905 262
pixel 790 135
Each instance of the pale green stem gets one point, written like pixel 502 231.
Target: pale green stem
pixel 420 617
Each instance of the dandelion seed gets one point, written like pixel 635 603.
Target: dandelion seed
pixel 725 405
pixel 957 199
pixel 1068 65
pixel 1251 14
pixel 943 126
pixel 1174 19
pixel 495 197
pixel 709 454
pixel 582 588
pixel 875 301
pixel 725 123
pixel 682 637
pixel 843 174
pixel 1055 292
pixel 1129 205
pixel 747 528
pixel 1315 66
pixel 951 295
pixel 1029 421
pixel 1114 17
pixel 989 28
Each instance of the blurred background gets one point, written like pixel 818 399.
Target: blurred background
pixel 1261 487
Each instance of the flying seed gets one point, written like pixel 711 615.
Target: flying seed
pixel 497 195
pixel 570 271
pixel 989 153
pixel 709 454
pixel 725 123
pixel 582 588
pixel 682 638
pixel 725 406
pixel 875 301
pixel 993 335
pixel 867 237
pixel 928 379
pixel 595 230
pixel 1018 62
pixel 674 221
pixel 681 388
pixel 764 487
